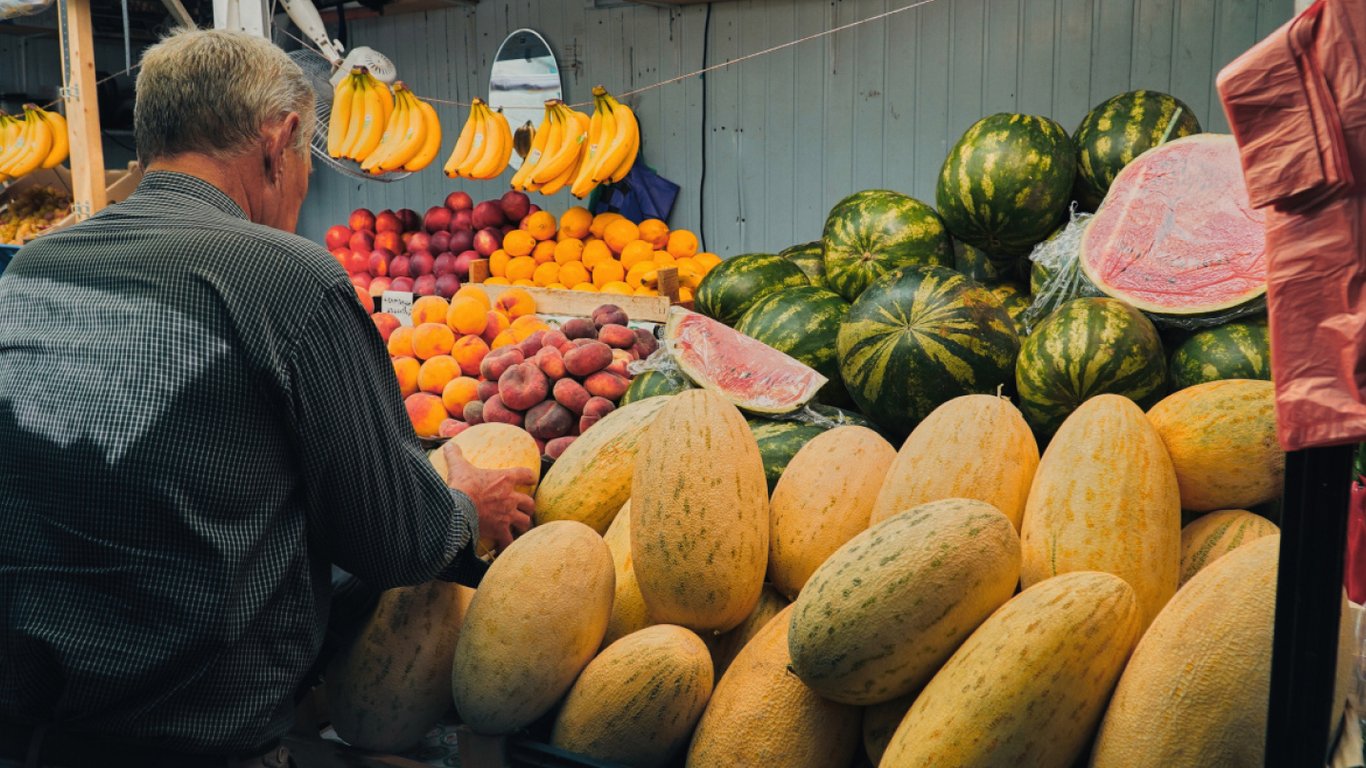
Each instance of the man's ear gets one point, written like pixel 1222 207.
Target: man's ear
pixel 278 137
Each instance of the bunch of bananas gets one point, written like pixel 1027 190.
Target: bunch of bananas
pixel 384 131
pixel 37 140
pixel 557 150
pixel 612 146
pixel 484 147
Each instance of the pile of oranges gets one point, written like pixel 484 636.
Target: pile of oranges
pixel 607 253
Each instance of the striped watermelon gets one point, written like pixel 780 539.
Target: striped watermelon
pixel 1087 347
pixel 1015 299
pixel 1236 350
pixel 1007 182
pixel 654 383
pixel 919 337
pixel 803 322
pixel 810 258
pixel 734 284
pixel 1118 130
pixel 985 268
pixel 779 441
pixel 872 232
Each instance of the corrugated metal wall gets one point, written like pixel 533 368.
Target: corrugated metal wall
pixel 764 148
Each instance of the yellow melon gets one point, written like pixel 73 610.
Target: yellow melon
pixel 725 647
pixel 628 605
pixel 880 721
pixel 494 446
pixel 1210 537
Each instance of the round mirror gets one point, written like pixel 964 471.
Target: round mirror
pixel 523 77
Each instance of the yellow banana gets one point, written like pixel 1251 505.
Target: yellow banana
pixel 570 147
pixel 506 129
pixel 38 143
pixel 386 98
pixel 372 125
pixel 411 141
pixel 631 155
pixel 479 144
pixel 61 146
pixel 340 121
pixel 463 142
pixel 15 146
pixel 538 146
pixel 431 143
pixel 393 129
pixel 560 182
pixel 495 128
pixel 609 130
pixel 583 180
pixel 552 144
pixel 356 119
pixel 10 130
pixel 620 145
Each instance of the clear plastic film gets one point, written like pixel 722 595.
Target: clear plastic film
pixel 13 9
pixel 1056 272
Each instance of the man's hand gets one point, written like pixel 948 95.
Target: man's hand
pixel 504 512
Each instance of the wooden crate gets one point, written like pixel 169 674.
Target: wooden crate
pixel 556 302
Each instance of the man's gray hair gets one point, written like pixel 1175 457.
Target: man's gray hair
pixel 211 91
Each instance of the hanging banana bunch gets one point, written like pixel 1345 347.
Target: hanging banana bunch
pixel 38 140
pixel 383 130
pixel 411 137
pixel 484 147
pixel 557 150
pixel 613 143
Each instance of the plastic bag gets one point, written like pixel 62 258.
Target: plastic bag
pixel 1059 259
pixel 13 9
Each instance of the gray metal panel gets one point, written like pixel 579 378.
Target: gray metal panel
pixel 789 134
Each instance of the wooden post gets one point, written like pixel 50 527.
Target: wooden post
pixel 668 283
pixel 479 270
pixel 82 108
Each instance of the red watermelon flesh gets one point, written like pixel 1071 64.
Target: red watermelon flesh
pixel 749 373
pixel 1176 235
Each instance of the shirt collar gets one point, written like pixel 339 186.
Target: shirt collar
pixel 185 185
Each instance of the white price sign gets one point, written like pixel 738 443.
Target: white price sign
pixel 399 304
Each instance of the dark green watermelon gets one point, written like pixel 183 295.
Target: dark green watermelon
pixel 804 323
pixel 1007 183
pixel 1015 301
pixel 872 232
pixel 1088 347
pixel 921 336
pixel 1237 350
pixel 733 285
pixel 985 268
pixel 654 383
pixel 1118 130
pixel 810 258
pixel 779 441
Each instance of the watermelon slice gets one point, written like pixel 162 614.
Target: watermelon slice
pixel 749 373
pixel 1176 236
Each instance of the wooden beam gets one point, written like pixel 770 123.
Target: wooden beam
pixel 82 108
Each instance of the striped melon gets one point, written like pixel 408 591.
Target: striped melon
pixel 1212 644
pixel 880 721
pixel 1118 130
pixel 972 447
pixel 592 478
pixel 729 288
pixel 1236 350
pixel 1216 534
pixel 1105 499
pixel 393 682
pixel 494 446
pixel 637 702
pixel 724 647
pixel 1221 436
pixel 1029 686
pixel 762 715
pixel 809 258
pixel 699 514
pixel 779 442
pixel 876 231
pixel 822 501
pixel 628 605
pixel 536 621
pixel 887 609
pixel 802 322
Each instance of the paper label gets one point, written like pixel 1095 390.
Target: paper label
pixel 399 304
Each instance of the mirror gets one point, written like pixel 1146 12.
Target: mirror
pixel 523 77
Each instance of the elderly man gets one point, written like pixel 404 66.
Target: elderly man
pixel 196 419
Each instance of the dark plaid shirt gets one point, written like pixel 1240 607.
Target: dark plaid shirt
pixel 196 418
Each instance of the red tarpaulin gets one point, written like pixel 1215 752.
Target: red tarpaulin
pixel 1297 105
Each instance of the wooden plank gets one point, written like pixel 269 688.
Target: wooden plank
pixel 553 301
pixel 82 110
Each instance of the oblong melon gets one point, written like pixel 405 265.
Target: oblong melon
pixel 822 501
pixel 637 702
pixel 971 447
pixel 494 446
pixel 762 715
pixel 392 683
pixel 536 621
pixel 880 722
pixel 1216 534
pixel 699 514
pixel 628 605
pixel 592 478
pixel 1212 644
pixel 1030 685
pixel 887 609
pixel 726 646
pixel 1105 499
pixel 1221 436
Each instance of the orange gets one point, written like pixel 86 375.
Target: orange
pixel 618 287
pixel 436 373
pixel 401 342
pixel 498 263
pixel 469 353
pixel 544 252
pixel 524 326
pixel 516 303
pixel 635 252
pixel 525 282
pixel 458 393
pixel 429 309
pixel 573 273
pixel 682 243
pixel 684 295
pixel 575 222
pixel 595 252
pixel 541 225
pixel 706 261
pixel 601 221
pixel 498 280
pixel 518 243
pixel 405 370
pixel 635 276
pixel 608 272
pixel 585 287
pixel 643 291
pixel 546 274
pixel 655 232
pixel 558 287
pixel 432 339
pixel 521 268
pixel 426 412
pixel 664 259
pixel 473 292
pixel 467 316
pixel 569 249
pixel 619 233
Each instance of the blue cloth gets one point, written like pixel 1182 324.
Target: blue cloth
pixel 642 195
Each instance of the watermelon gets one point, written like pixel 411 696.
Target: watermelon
pixel 840 417
pixel 809 258
pixel 919 337
pixel 1015 299
pixel 872 232
pixel 1177 237
pixel 1007 182
pixel 1118 130
pixel 803 322
pixel 985 268
pixel 749 373
pixel 653 383
pixel 731 286
pixel 1087 347
pixel 1236 350
pixel 779 441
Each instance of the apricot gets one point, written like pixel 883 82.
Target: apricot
pixel 516 303
pixel 522 386
pixel 426 413
pixel 556 448
pixel 505 339
pixel 606 384
pixel 495 324
pixel 495 363
pixel 571 395
pixel 469 352
pixel 429 309
pixel 406 370
pixel 524 327
pixel 432 339
pixel 466 316
pixel 385 323
pixel 459 392
pixel 549 420
pixel 401 342
pixel 473 292
pixel 618 336
pixel 588 359
pixel 436 372
pixel 495 410
pixel 579 328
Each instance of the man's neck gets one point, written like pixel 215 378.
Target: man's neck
pixel 230 180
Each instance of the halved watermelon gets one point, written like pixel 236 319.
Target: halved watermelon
pixel 749 373
pixel 1177 237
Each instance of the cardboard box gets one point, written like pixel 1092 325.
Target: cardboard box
pixel 119 184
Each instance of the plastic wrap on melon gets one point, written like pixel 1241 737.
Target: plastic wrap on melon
pixel 1056 276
